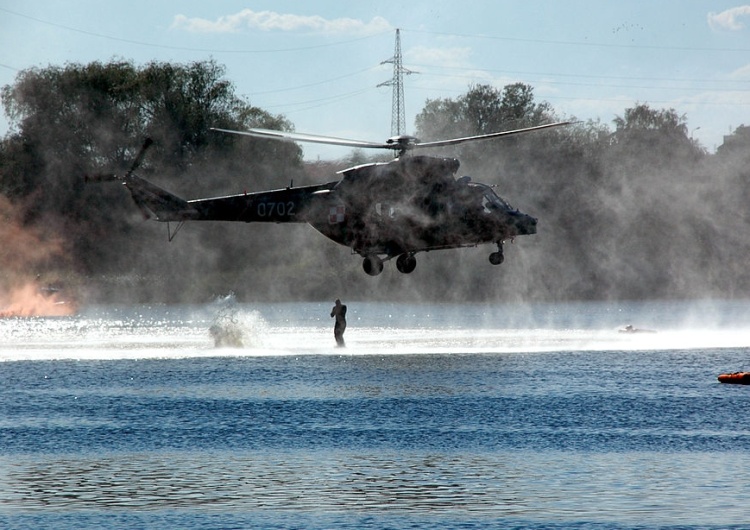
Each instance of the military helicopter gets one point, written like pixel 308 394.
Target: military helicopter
pixel 380 210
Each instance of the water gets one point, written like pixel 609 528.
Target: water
pixel 456 416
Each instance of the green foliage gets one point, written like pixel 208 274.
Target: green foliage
pixel 654 138
pixel 483 109
pixel 78 120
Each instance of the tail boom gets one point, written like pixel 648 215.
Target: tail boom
pixel 157 203
pixel 289 205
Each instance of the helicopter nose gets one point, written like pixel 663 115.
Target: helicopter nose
pixel 525 224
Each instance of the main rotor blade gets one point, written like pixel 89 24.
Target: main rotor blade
pixel 401 143
pixel 454 141
pixel 312 138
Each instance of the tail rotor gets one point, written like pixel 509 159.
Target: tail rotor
pixel 139 157
pixel 112 177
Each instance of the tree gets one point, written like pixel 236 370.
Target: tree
pixel 643 131
pixel 91 117
pixel 83 119
pixel 483 109
pixel 736 144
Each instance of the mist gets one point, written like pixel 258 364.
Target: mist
pixel 638 212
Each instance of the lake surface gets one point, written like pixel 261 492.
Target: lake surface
pixel 450 416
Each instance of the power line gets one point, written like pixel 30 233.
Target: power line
pixel 322 101
pixel 547 80
pixel 585 76
pixel 184 48
pixel 309 85
pixel 582 43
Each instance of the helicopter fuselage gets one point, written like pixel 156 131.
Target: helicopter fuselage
pixel 379 210
pixel 386 209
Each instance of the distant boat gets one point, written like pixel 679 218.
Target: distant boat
pixel 735 378
pixel 631 329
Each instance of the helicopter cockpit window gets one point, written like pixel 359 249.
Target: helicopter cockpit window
pixel 491 201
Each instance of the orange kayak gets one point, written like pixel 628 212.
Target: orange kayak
pixel 737 378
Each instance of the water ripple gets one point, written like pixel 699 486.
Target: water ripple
pixel 554 486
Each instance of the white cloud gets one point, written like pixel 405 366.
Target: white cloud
pixel 272 21
pixel 741 74
pixel 445 57
pixel 729 20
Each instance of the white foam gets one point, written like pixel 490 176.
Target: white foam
pixel 160 334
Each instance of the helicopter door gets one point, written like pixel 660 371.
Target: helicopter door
pixel 385 210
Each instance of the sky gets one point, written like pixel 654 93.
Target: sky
pixel 319 63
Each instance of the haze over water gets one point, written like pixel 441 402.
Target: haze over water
pixel 468 416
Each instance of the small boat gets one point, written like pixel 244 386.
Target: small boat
pixel 631 329
pixel 736 378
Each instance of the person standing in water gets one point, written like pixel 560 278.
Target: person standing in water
pixel 339 312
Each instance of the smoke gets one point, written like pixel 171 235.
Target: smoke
pixel 29 285
pixel 613 224
pixel 31 300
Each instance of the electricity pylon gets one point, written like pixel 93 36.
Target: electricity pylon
pixel 398 117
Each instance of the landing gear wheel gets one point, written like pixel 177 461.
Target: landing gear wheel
pixel 406 263
pixel 373 265
pixel 496 258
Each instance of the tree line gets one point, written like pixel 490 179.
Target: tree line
pixel 634 210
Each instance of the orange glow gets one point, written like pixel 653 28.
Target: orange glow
pixel 28 252
pixel 30 301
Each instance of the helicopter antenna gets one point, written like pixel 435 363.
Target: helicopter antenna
pixel 398 116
